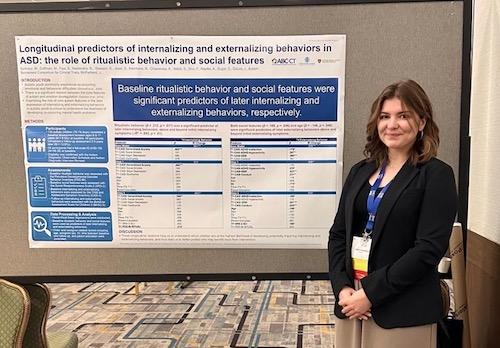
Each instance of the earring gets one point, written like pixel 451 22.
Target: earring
pixel 421 135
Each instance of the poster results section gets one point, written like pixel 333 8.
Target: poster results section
pixel 218 142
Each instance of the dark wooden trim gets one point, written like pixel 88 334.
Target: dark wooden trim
pixel 172 277
pixel 483 287
pixel 464 152
pixel 165 277
pixel 173 4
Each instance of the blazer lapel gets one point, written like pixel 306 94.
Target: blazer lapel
pixel 361 177
pixel 399 183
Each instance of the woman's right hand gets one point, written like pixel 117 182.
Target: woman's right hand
pixel 347 292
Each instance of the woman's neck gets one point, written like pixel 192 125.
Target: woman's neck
pixel 397 158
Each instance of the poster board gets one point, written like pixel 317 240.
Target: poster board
pixel 378 52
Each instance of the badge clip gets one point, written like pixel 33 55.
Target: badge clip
pixel 366 235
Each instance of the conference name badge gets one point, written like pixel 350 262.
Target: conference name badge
pixel 360 252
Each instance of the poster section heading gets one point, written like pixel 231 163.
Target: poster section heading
pixel 225 100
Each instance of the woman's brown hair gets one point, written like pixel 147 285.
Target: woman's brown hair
pixel 414 98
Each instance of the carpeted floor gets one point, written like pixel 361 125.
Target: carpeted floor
pixel 203 314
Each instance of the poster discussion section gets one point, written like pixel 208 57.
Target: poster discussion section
pixel 182 141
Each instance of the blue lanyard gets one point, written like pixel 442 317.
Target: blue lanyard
pixel 373 201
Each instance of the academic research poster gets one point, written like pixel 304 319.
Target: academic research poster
pixel 182 141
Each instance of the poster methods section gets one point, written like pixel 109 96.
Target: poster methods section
pixel 209 142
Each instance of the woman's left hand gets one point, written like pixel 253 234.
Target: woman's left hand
pixel 355 305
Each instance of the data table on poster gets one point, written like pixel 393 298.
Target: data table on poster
pixel 169 183
pixel 277 183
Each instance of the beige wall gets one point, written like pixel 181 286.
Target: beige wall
pixel 483 245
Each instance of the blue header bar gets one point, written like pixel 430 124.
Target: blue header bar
pixel 225 100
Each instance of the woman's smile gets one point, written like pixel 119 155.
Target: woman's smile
pixel 397 126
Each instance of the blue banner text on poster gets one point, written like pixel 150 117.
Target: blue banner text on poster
pixel 225 100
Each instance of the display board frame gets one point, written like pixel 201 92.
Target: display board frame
pixel 92 7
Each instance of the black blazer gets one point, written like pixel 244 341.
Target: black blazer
pixel 410 235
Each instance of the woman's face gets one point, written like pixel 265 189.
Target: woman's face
pixel 398 126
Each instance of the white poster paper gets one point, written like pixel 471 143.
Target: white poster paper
pixel 182 142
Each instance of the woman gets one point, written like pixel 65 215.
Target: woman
pixel 392 227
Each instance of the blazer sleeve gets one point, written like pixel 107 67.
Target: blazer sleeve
pixel 337 243
pixel 437 214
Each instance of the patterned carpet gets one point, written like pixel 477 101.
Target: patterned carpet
pixel 199 314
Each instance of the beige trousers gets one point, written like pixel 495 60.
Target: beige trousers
pixel 357 333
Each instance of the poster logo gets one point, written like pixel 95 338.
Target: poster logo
pixel 284 61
